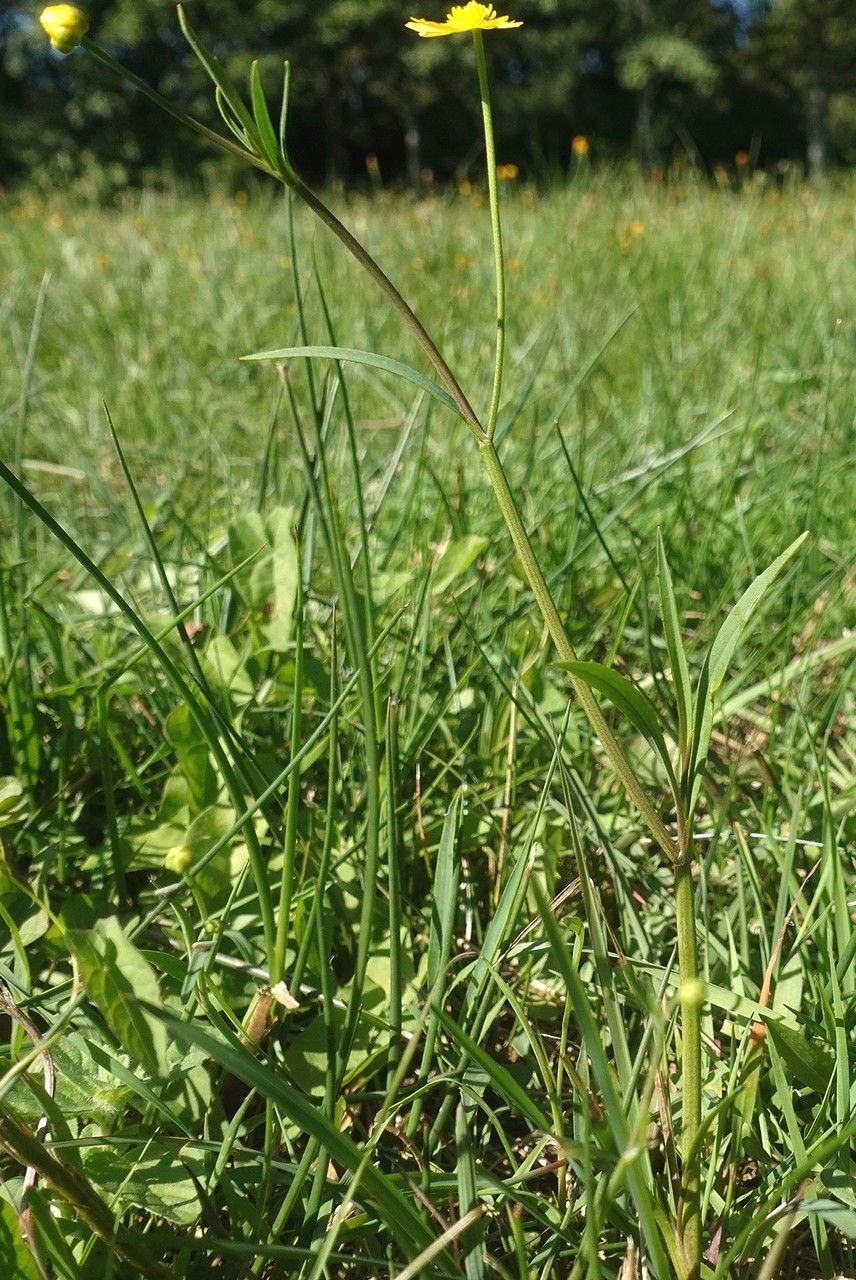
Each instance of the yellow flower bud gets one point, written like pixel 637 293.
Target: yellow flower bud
pixel 178 859
pixel 65 25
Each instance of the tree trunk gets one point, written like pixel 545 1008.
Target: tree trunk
pixel 815 109
pixel 413 153
pixel 645 125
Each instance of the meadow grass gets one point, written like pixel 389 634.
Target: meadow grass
pixel 382 767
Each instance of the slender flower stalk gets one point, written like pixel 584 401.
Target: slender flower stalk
pixel 691 998
pixel 496 228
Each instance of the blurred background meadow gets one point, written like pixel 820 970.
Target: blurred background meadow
pixel 276 705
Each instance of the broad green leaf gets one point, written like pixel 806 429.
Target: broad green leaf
pixel 810 1064
pixel 248 544
pixel 677 653
pixel 226 671
pixel 12 801
pixel 307 1054
pixel 117 978
pixel 718 660
pixel 16 1261
pixel 283 568
pixel 629 699
pixel 840 1183
pixel 361 357
pixel 268 583
pixel 218 874
pixel 456 559
pixel 154 1176
pixel 84 1089
pixel 187 740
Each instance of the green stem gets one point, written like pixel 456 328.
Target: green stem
pixel 689 1208
pixel 566 651
pixel 382 280
pixel 496 230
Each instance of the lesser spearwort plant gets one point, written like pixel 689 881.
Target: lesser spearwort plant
pixel 669 1233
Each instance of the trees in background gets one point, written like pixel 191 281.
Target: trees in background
pixel 652 76
pixel 804 52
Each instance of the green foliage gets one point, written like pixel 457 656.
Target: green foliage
pixel 116 978
pixel 666 57
pixel 476 1032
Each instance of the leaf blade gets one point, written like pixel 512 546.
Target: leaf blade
pixel 353 356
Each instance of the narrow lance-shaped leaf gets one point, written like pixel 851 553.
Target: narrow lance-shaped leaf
pixel 629 699
pixel 251 143
pixel 360 357
pixel 215 70
pixel 264 124
pixel 445 897
pixel 283 113
pixel 677 654
pixel 716 666
pixel 471 1246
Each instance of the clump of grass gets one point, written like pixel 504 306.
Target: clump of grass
pixel 340 946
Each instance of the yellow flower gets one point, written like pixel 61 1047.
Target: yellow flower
pixel 507 172
pixel 741 159
pixel 463 17
pixel 580 146
pixel 65 25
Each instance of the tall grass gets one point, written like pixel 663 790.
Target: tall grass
pixel 279 711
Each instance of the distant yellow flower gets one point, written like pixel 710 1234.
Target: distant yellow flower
pixel 741 159
pixel 579 146
pixel 507 172
pixel 463 17
pixel 65 26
